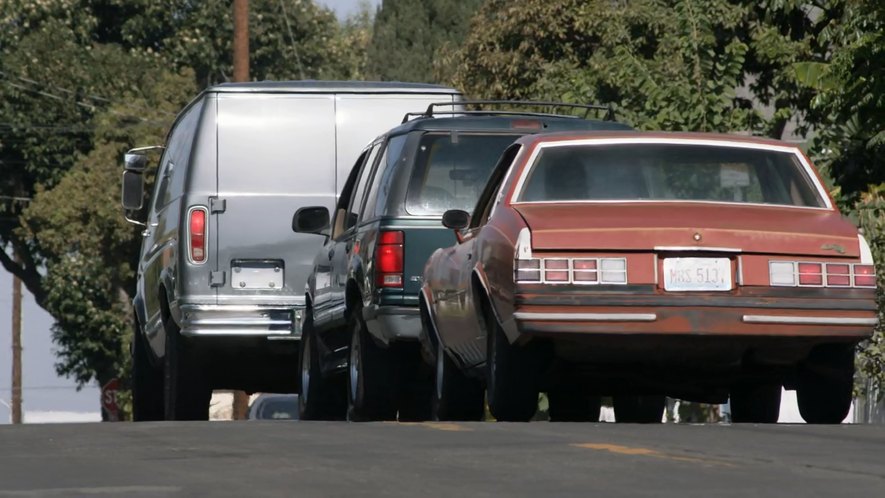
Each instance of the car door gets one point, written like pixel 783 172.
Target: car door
pixel 342 253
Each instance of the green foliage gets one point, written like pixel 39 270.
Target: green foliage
pixel 673 65
pixel 409 35
pixel 870 212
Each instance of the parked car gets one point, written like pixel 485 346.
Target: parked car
pixel 220 276
pixel 639 265
pixel 268 406
pixel 362 296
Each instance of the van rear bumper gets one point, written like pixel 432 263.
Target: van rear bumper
pixel 274 322
pixel 393 323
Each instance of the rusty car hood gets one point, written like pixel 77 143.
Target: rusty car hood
pixel 646 226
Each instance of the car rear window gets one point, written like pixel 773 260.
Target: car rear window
pixel 686 172
pixel 451 170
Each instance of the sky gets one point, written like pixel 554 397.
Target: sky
pixel 345 8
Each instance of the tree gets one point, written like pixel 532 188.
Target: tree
pixel 676 65
pixel 410 34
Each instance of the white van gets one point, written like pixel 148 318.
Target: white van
pixel 221 275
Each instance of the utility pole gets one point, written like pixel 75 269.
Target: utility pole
pixel 241 73
pixel 16 348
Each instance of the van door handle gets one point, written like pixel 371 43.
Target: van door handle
pixel 331 253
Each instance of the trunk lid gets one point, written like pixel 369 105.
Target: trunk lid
pixel 647 226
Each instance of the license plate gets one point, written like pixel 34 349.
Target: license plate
pixel 252 275
pixel 697 274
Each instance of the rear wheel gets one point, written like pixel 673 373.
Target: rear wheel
pixel 147 382
pixel 511 377
pixel 318 399
pixel 826 383
pixel 573 405
pixel 370 387
pixel 455 395
pixel 639 409
pixel 186 385
pixel 756 403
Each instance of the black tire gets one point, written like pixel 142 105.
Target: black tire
pixel 371 392
pixel 511 375
pixel 455 396
pixel 319 398
pixel 415 383
pixel 826 383
pixel 755 403
pixel 185 384
pixel 147 382
pixel 639 409
pixel 573 405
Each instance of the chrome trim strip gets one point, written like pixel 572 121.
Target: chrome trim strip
pixel 809 320
pixel 587 317
pixel 238 332
pixel 238 307
pixel 697 248
pixel 237 322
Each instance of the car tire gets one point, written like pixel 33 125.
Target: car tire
pixel 755 403
pixel 639 409
pixel 572 405
pixel 186 387
pixel 511 375
pixel 455 397
pixel 147 382
pixel 318 398
pixel 826 383
pixel 371 393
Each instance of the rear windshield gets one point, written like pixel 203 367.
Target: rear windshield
pixel 451 170
pixel 626 172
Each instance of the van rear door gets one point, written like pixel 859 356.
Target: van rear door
pixel 276 153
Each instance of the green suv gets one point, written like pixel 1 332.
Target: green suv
pixel 360 350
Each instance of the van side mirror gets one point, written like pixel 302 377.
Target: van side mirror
pixel 133 190
pixel 314 219
pixel 135 162
pixel 456 219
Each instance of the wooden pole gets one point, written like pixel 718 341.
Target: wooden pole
pixel 16 349
pixel 241 73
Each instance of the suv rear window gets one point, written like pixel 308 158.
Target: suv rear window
pixel 451 170
pixel 663 172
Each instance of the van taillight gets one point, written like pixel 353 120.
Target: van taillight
pixel 389 259
pixel 198 235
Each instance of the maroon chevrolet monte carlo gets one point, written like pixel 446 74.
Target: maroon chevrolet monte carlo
pixel 643 265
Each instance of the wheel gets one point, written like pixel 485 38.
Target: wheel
pixel 147 382
pixel 371 393
pixel 455 395
pixel 573 405
pixel 319 399
pixel 511 377
pixel 639 409
pixel 186 389
pixel 756 403
pixel 825 386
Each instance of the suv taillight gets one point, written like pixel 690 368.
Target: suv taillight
pixel 389 259
pixel 197 239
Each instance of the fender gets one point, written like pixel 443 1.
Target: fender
pixel 508 325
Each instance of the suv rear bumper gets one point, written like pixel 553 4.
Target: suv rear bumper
pixel 393 323
pixel 273 322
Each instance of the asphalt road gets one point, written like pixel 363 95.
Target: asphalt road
pixel 440 459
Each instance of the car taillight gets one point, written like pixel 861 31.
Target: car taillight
pixel 582 271
pixel 389 259
pixel 809 274
pixel 864 276
pixel 197 239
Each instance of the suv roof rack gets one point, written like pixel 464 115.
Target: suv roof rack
pixel 431 109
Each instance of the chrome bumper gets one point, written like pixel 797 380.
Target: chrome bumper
pixel 272 322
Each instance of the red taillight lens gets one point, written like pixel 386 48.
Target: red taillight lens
pixel 811 274
pixel 389 259
pixel 198 235
pixel 838 275
pixel 864 276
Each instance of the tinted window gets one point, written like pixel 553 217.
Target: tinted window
pixel 170 182
pixel 627 172
pixel 451 170
pixel 360 190
pixel 381 182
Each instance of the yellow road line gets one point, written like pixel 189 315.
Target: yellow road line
pixel 638 451
pixel 439 426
